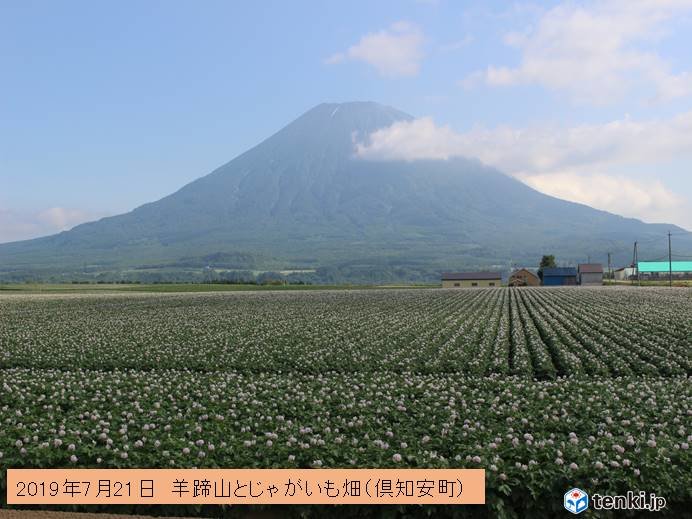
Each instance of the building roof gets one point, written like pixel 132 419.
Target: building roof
pixel 591 268
pixel 624 268
pixel 559 271
pixel 664 266
pixel 464 276
pixel 519 271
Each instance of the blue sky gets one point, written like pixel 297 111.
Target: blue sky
pixel 108 105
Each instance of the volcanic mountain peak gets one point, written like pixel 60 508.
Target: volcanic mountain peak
pixel 301 198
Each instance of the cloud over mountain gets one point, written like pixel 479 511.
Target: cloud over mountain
pixel 568 162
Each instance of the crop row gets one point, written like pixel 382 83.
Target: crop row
pixel 539 333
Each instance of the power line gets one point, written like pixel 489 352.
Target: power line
pixel 610 267
pixel 670 263
pixel 662 258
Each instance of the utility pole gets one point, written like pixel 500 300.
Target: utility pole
pixel 636 264
pixel 670 263
pixel 610 268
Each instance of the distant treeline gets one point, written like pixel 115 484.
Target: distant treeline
pixel 266 281
pixel 365 274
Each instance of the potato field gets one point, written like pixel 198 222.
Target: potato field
pixel 544 388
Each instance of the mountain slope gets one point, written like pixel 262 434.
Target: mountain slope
pixel 301 199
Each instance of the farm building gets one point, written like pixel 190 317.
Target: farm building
pixel 524 278
pixel 471 279
pixel 559 276
pixel 590 274
pixel 625 273
pixel 660 269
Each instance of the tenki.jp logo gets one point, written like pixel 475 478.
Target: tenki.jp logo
pixel 576 501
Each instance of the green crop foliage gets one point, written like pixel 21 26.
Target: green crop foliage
pixel 544 388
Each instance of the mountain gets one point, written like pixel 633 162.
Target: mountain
pixel 302 200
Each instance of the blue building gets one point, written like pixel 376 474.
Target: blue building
pixel 560 276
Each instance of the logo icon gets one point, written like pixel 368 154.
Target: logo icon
pixel 576 501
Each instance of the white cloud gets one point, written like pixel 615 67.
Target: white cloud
pixel 62 218
pixel 412 140
pixel 394 52
pixel 618 194
pixel 23 225
pixel 595 51
pixel 539 148
pixel 453 46
pixel 562 161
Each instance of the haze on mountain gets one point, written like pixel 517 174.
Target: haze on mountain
pixel 302 200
